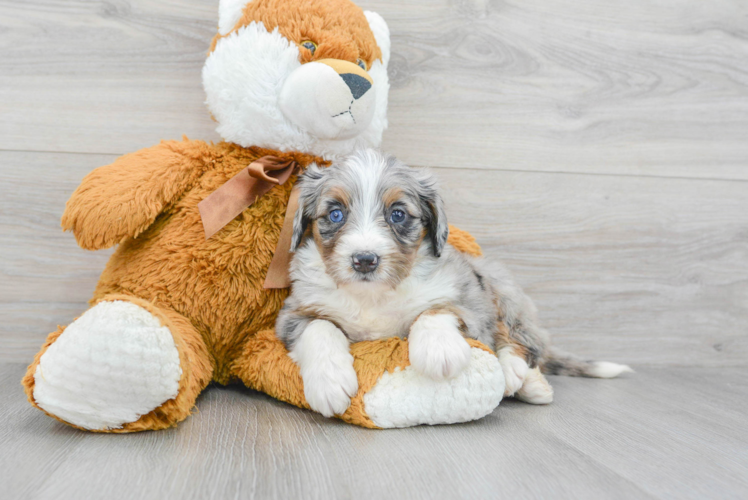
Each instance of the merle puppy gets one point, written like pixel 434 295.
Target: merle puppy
pixel 372 261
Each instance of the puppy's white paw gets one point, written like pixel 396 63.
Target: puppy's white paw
pixel 515 370
pixel 326 368
pixel 536 389
pixel 436 347
pixel 329 388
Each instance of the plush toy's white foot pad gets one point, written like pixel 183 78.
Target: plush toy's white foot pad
pixel 110 366
pixel 406 397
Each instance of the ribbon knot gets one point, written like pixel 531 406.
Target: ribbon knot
pixel 241 191
pixel 264 167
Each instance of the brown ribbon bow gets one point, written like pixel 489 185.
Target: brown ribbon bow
pixel 240 192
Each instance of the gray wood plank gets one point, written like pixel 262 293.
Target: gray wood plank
pixel 657 89
pixel 638 270
pixel 45 278
pixel 662 433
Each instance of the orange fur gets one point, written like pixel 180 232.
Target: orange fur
pixel 218 283
pixel 339 29
pixel 464 242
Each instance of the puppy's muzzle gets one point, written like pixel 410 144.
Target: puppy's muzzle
pixel 365 262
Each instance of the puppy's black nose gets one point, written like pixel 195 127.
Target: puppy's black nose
pixel 358 84
pixel 365 262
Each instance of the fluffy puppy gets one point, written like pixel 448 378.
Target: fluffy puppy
pixel 372 261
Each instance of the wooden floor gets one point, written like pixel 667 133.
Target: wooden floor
pixel 664 433
pixel 600 151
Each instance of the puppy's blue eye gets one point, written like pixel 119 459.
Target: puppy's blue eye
pixel 336 216
pixel 397 216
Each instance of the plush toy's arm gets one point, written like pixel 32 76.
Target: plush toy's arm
pixel 121 200
pixel 390 392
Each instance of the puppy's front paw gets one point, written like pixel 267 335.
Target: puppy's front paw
pixel 326 368
pixel 515 370
pixel 329 388
pixel 436 346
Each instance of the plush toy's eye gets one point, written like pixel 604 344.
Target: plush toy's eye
pixel 336 216
pixel 397 217
pixel 309 45
pixel 361 63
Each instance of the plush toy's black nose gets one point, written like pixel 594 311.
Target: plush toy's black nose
pixel 358 84
pixel 365 262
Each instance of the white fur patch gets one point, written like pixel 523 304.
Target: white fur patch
pixel 406 397
pixel 381 33
pixel 229 12
pixel 243 78
pixel 110 366
pixel 515 370
pixel 323 355
pixel 536 389
pixel 315 98
pixel 436 347
pixel 606 369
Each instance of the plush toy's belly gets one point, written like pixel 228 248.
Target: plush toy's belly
pixel 217 284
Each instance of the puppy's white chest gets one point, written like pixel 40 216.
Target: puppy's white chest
pixel 380 313
pixel 379 321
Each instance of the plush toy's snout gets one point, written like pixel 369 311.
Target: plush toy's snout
pixel 357 79
pixel 330 98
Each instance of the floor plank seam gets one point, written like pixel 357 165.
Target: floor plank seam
pixel 443 167
pixel 597 174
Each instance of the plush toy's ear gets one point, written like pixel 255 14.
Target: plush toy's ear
pixel 381 34
pixel 229 13
pixel 308 185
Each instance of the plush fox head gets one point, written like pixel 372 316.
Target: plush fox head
pixel 299 75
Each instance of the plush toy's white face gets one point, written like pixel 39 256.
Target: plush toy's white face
pixel 313 83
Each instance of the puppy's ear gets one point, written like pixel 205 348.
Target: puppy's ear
pixel 434 213
pixel 309 184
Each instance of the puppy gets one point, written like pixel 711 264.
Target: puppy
pixel 372 261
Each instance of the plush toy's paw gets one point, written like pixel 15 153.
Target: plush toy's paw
pixel 112 365
pixel 515 370
pixel 406 397
pixel 436 346
pixel 536 389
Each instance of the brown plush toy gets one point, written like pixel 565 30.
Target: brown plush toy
pixel 182 301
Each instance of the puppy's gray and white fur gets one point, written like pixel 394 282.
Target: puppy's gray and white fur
pixel 372 261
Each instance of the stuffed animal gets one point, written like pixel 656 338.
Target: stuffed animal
pixel 182 302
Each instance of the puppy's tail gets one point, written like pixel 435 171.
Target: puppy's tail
pixel 560 363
